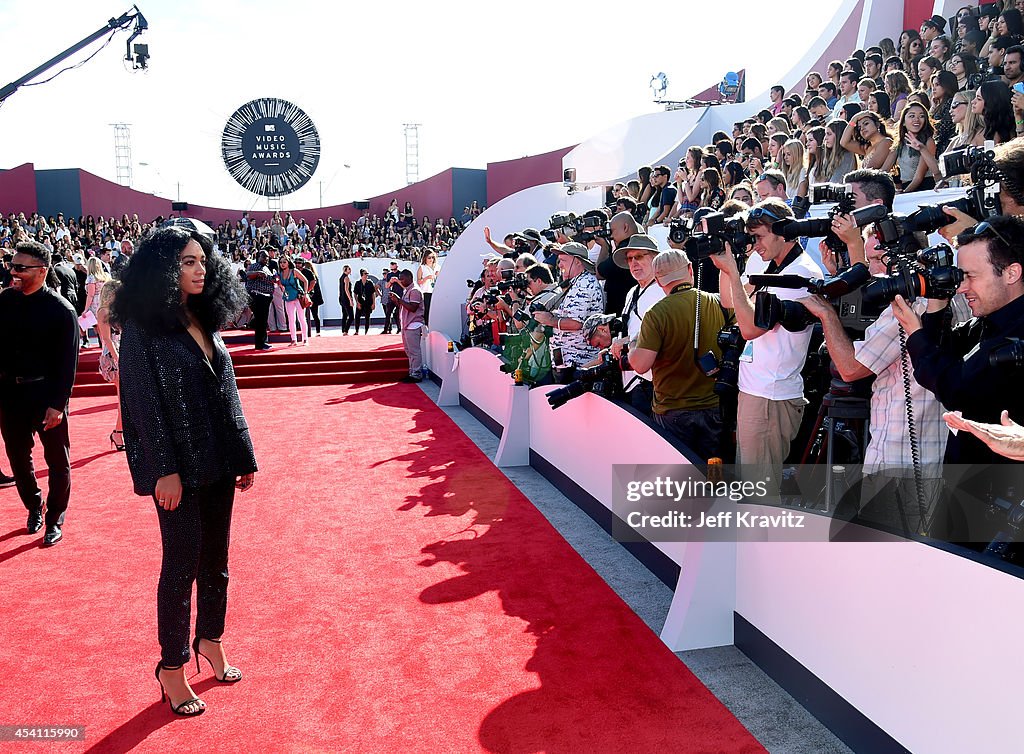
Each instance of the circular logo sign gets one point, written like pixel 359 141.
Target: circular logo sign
pixel 270 147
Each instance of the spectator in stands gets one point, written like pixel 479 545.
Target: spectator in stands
pixel 776 95
pixel 684 399
pixel 835 70
pixel 819 109
pixel 811 84
pixel 913 154
pixel 996 51
pixel 663 198
pixel 583 297
pixel 911 48
pixel 873 69
pixel 711 194
pixel 794 168
pixel 943 88
pixel 926 68
pixel 992 102
pixel 965 68
pixel 848 93
pixel 940 48
pixel 828 91
pixel 771 399
pixel 1012 73
pixel 743 193
pixel 815 154
pixel 970 127
pixel 932 27
pixel 878 103
pixel 864 88
pixel 866 136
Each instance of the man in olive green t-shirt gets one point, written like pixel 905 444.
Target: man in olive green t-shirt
pixel 684 399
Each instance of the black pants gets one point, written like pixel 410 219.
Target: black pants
pixel 313 318
pixel 195 539
pixel 362 313
pixel 426 308
pixel 19 421
pixel 346 316
pixel 390 318
pixel 260 306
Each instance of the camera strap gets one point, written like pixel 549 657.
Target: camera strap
pixel 634 303
pixel 775 269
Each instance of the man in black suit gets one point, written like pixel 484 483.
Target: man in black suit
pixel 38 359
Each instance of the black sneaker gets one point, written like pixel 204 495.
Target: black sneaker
pixel 5 480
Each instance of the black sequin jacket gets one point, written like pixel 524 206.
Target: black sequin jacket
pixel 181 412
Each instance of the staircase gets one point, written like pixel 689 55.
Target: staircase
pixel 331 360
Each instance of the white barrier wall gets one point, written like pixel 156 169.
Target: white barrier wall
pixel 483 384
pixel 914 637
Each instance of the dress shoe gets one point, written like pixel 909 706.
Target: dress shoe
pixel 5 480
pixel 35 520
pixel 410 378
pixel 53 536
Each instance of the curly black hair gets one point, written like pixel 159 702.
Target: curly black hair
pixel 150 294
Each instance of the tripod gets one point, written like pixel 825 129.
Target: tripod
pixel 838 409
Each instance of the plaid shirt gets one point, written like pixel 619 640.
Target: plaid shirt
pixel 262 286
pixel 890 442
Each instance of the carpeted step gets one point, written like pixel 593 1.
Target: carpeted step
pixel 321 378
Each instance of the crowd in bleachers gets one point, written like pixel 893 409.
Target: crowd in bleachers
pixel 894 106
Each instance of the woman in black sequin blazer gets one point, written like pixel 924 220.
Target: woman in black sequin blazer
pixel 188 444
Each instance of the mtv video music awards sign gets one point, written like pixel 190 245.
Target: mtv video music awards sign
pixel 270 147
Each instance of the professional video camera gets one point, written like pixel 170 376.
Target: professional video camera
pixel 714 232
pixel 726 370
pixel 510 280
pixel 929 273
pixel 591 226
pixel 821 193
pixel 770 310
pixel 680 229
pixel 895 231
pixel 604 379
pixel 563 223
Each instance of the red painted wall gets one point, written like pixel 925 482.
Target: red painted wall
pixel 916 11
pixel 432 197
pixel 18 189
pixel 508 177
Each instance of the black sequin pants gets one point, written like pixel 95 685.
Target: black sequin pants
pixel 195 540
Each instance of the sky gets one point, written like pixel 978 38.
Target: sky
pixel 487 82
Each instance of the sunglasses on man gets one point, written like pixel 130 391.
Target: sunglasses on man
pixel 26 267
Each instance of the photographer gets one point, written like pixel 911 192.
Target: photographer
pixel 684 402
pixel 637 255
pixel 879 353
pixel 771 398
pixel 955 366
pixel 617 281
pixel 583 297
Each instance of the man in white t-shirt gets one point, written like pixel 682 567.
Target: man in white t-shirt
pixel 771 390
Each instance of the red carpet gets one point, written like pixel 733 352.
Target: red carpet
pixel 332 360
pixel 391 592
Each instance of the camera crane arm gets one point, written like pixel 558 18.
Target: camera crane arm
pixel 122 22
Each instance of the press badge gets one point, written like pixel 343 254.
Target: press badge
pixel 748 352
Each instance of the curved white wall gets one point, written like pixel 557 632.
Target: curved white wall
pixel 530 208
